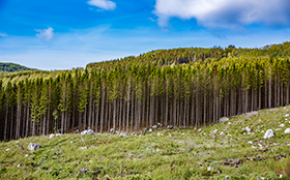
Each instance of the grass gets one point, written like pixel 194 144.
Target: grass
pixel 164 154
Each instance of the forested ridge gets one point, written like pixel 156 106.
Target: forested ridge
pixel 185 87
pixel 6 68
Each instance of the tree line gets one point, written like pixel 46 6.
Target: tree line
pixel 128 98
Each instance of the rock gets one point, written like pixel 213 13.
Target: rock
pixel 229 123
pixel 247 129
pixel 51 136
pixel 159 125
pixel 33 146
pixel 208 168
pixel 215 131
pixel 8 149
pixel 169 127
pixel 19 165
pixel 112 130
pixel 224 119
pixel 287 131
pixel 227 177
pixel 199 130
pixel 286 115
pixel 222 133
pixel 87 132
pixel 282 125
pixel 155 127
pixel 269 133
pixel 123 135
pixel 250 114
pixel 150 130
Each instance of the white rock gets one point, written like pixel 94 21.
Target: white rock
pixel 222 133
pixel 229 123
pixel 223 119
pixel 8 149
pixel 215 131
pixel 87 132
pixel 169 127
pixel 287 131
pixel 208 168
pixel 269 133
pixel 123 135
pixel 33 146
pixel 51 136
pixel 281 176
pixel 112 130
pixel 282 125
pixel 250 142
pixel 155 127
pixel 199 130
pixel 159 124
pixel 286 115
pixel 150 130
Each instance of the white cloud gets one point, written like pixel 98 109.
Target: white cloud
pixel 3 34
pixel 45 34
pixel 225 13
pixel 104 4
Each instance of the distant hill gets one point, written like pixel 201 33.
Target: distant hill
pixel 6 68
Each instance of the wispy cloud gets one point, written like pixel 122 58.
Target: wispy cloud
pixel 225 13
pixel 3 34
pixel 45 34
pixel 103 4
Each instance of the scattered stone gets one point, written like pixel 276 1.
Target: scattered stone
pixel 286 115
pixel 269 133
pixel 227 177
pixel 229 123
pixel 112 131
pixel 250 114
pixel 215 131
pixel 250 142
pixel 282 125
pixel 247 129
pixel 222 133
pixel 287 131
pixel 150 130
pixel 19 165
pixel 281 176
pixel 123 135
pixel 169 127
pixel 8 149
pixel 54 135
pixel 223 119
pixel 33 146
pixel 159 124
pixel 155 126
pixel 208 168
pixel 87 132
pixel 199 130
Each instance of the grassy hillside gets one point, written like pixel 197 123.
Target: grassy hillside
pixel 234 149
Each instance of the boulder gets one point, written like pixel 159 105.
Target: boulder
pixel 159 125
pixel 224 119
pixel 169 127
pixel 155 126
pixel 286 115
pixel 51 136
pixel 287 131
pixel 112 131
pixel 269 133
pixel 150 130
pixel 215 131
pixel 87 132
pixel 123 135
pixel 282 125
pixel 33 146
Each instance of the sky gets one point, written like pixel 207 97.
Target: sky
pixel 65 34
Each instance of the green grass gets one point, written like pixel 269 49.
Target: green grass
pixel 163 154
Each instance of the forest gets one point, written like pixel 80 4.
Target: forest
pixel 183 88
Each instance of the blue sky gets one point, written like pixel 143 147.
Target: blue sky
pixel 64 34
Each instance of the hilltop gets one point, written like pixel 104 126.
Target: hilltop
pixel 234 149
pixel 6 68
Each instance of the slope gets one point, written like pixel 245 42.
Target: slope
pixel 234 149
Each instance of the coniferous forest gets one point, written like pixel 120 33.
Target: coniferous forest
pixel 184 87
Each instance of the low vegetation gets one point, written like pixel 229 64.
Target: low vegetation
pixel 234 149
